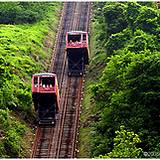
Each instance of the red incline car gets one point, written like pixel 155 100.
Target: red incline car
pixel 45 94
pixel 77 52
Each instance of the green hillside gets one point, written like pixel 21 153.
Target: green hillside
pixel 27 36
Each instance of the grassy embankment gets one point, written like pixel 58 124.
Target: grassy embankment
pixel 24 50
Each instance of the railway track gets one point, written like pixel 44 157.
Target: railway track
pixel 70 116
pixel 42 146
pixel 59 141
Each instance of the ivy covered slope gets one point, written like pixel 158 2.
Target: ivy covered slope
pixel 126 96
pixel 27 34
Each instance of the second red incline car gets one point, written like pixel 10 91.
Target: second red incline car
pixel 77 52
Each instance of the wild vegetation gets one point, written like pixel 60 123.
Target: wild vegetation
pixel 24 29
pixel 127 92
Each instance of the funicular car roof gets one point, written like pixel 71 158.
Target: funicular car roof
pixel 45 74
pixel 76 32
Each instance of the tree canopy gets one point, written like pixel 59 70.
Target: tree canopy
pixel 128 92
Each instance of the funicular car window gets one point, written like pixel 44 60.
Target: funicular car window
pixel 35 81
pixel 84 37
pixel 74 38
pixel 47 81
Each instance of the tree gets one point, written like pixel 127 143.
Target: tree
pixel 118 41
pixel 142 41
pixel 114 18
pixel 147 20
pixel 132 11
pixel 125 145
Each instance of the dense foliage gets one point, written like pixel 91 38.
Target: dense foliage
pixel 124 145
pixel 11 135
pixel 22 12
pixel 128 92
pixel 22 53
